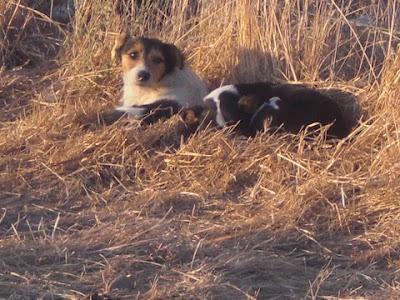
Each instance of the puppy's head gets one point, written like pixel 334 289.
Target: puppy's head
pixel 145 61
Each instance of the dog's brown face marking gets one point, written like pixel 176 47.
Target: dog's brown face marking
pixel 132 57
pixel 156 62
pixel 152 61
pixel 146 61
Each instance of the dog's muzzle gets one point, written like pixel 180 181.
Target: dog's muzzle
pixel 143 76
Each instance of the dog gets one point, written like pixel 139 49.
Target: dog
pixel 287 107
pixel 154 76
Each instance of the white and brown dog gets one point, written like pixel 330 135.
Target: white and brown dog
pixel 155 78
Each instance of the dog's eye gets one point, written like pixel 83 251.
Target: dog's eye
pixel 157 60
pixel 134 55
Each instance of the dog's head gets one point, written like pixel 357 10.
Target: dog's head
pixel 146 61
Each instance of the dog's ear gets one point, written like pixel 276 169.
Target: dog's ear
pixel 120 41
pixel 248 104
pixel 174 56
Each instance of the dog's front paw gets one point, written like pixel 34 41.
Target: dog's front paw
pixel 97 119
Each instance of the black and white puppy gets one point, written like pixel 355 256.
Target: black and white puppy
pixel 290 107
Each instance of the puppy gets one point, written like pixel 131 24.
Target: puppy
pixel 154 72
pixel 286 106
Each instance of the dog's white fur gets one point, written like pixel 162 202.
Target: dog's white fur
pixel 272 102
pixel 215 94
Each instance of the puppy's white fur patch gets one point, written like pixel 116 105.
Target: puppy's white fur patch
pixel 215 94
pixel 272 102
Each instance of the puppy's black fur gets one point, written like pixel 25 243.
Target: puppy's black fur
pixel 297 108
pixel 160 110
pixel 289 107
pixel 152 113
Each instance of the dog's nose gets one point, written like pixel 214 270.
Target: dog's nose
pixel 143 76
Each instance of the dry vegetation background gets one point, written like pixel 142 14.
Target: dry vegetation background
pixel 141 213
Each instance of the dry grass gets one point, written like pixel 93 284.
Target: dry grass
pixel 141 213
pixel 27 34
